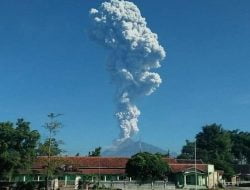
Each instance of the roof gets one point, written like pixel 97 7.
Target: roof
pixel 85 165
pixel 170 160
pixel 185 161
pixel 177 168
pixel 108 165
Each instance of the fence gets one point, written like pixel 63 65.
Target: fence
pixel 121 185
pixel 71 185
pixel 133 185
pixel 238 183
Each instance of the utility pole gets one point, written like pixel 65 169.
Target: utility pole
pixel 52 127
pixel 195 164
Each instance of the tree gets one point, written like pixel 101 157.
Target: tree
pixel 214 146
pixel 43 148
pixel 187 151
pixel 147 167
pixel 220 147
pixel 163 154
pixel 52 126
pixel 77 154
pixel 241 146
pixel 96 152
pixel 17 147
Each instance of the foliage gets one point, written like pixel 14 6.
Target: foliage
pixel 220 147
pixel 96 152
pixel 29 185
pixel 43 148
pixel 77 154
pixel 187 151
pixel 17 146
pixel 53 127
pixel 146 167
pixel 163 155
pixel 56 166
pixel 241 146
pixel 214 146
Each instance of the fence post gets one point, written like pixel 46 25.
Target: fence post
pixel 124 184
pixel 65 180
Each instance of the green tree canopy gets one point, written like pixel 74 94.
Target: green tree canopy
pixel 241 146
pixel 96 152
pixel 187 151
pixel 53 144
pixel 147 167
pixel 17 146
pixel 214 146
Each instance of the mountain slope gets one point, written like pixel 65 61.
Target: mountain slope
pixel 130 147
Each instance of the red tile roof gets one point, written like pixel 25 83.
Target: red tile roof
pixel 176 168
pixel 185 161
pixel 170 160
pixel 103 171
pixel 110 165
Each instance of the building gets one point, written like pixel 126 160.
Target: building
pixel 184 173
pixel 242 174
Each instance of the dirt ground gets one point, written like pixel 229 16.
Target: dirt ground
pixel 238 188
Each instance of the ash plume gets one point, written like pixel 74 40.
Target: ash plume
pixel 134 52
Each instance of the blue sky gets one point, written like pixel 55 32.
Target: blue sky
pixel 48 64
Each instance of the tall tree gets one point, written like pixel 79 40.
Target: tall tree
pixel 214 146
pixel 17 146
pixel 53 127
pixel 147 167
pixel 241 146
pixel 187 151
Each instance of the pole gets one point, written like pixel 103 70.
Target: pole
pixel 51 127
pixel 99 175
pixel 195 165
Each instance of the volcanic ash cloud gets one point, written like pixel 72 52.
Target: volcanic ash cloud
pixel 134 52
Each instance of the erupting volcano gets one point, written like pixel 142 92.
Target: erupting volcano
pixel 133 52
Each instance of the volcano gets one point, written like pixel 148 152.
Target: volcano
pixel 130 147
